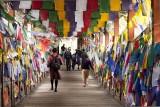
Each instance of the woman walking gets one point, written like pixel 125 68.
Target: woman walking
pixel 54 62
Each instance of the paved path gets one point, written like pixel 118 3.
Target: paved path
pixel 71 93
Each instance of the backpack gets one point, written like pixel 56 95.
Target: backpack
pixel 68 55
pixel 55 63
pixel 84 56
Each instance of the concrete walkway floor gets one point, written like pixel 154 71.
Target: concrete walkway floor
pixel 71 93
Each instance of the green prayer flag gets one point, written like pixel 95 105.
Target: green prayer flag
pixel 48 5
pixel 94 22
pixel 53 17
pixel 37 23
pixel 11 28
pixel 61 34
pixel 104 6
pixel 84 33
pixel 4 14
pixel 25 34
pixel 59 24
pixel 90 29
pixel 151 56
pixel 96 15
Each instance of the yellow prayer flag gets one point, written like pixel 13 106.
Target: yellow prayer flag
pixel 65 34
pixel 144 66
pixel 88 32
pixel 101 23
pixel 146 7
pixel 104 16
pixel 125 34
pixel 96 29
pixel 66 30
pixel 59 4
pixel 62 15
pixel 115 5
pixel 66 24
pixel 130 24
pixel 107 75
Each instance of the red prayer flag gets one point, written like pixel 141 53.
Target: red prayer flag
pixel 86 15
pixel 1 43
pixel 44 14
pixel 56 32
pixel 19 34
pixel 52 25
pixel 92 5
pixel 86 19
pixel 36 4
pixel 79 33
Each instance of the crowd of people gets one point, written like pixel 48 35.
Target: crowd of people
pixel 71 60
pixel 55 61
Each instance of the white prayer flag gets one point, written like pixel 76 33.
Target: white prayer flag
pixel 25 4
pixel 81 5
pixel 35 13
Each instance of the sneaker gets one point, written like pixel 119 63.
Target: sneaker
pixel 51 88
pixel 84 85
pixel 55 90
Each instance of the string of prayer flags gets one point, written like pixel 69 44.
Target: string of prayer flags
pixel 59 4
pixel 36 4
pixel 104 6
pixel 53 16
pixel 115 5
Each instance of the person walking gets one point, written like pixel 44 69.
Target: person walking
pixel 83 57
pixel 78 57
pixel 68 57
pixel 63 50
pixel 73 61
pixel 86 65
pixel 54 62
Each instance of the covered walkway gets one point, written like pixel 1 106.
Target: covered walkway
pixel 70 93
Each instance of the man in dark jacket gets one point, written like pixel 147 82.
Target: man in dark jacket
pixel 68 57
